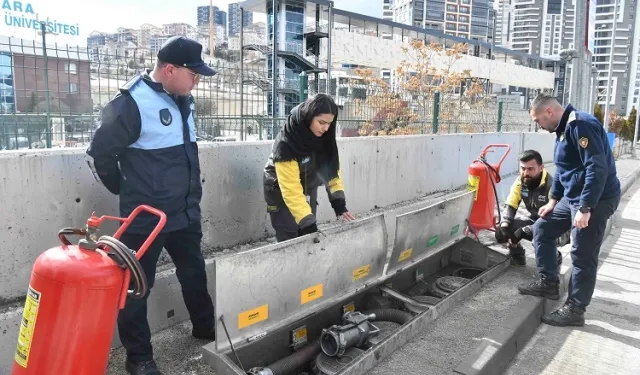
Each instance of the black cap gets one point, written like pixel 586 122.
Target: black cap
pixel 185 52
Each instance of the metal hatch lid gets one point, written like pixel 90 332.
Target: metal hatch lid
pixel 425 231
pixel 261 290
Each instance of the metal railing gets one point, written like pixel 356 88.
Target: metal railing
pixel 81 82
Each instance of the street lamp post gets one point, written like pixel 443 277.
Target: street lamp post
pixel 568 55
pixel 43 26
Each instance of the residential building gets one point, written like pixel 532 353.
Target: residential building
pixel 219 16
pixel 387 10
pixel 234 19
pixel 462 18
pixel 145 33
pixel 178 29
pixel 625 77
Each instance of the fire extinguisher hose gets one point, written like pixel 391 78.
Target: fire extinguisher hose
pixel 126 258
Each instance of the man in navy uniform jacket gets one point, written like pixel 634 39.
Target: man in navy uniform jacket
pixel 145 151
pixel 584 194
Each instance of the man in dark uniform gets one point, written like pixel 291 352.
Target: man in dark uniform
pixel 146 151
pixel 532 188
pixel 585 193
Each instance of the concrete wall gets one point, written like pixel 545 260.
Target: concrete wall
pixel 44 191
pixel 354 48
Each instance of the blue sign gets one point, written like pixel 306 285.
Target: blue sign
pixel 21 14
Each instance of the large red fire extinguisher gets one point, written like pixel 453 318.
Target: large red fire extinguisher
pixel 483 178
pixel 74 296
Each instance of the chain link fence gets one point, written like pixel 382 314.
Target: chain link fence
pixel 53 98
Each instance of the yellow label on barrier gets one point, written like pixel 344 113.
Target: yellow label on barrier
pixel 361 272
pixel 350 307
pixel 25 335
pixel 405 255
pixel 253 316
pixel 311 294
pixel 473 183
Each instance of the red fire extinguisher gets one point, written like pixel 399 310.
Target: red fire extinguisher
pixel 74 296
pixel 483 178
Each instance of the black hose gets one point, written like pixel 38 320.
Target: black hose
pixel 292 364
pixel 126 259
pixel 390 315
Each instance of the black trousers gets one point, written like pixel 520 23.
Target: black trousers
pixel 184 248
pixel 283 222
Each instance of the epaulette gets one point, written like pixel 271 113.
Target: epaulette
pixel 130 84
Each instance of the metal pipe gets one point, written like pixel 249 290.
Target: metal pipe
pixel 241 73
pixel 274 67
pixel 635 132
pixel 212 42
pixel 46 83
pixel 610 70
pixel 329 41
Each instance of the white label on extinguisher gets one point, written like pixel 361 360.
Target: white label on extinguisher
pixel 25 336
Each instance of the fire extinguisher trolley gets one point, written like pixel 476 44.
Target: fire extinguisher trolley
pixel 483 177
pixel 74 296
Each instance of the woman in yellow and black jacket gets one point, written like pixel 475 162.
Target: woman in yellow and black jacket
pixel 304 156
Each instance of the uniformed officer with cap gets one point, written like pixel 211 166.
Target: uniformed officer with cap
pixel 145 151
pixel 584 194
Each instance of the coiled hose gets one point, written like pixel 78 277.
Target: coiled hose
pixel 292 364
pixel 125 258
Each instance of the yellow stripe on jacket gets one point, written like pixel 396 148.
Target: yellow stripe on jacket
pixel 288 174
pixel 515 195
pixel 335 185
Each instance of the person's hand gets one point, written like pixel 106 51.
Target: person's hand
pixel 581 220
pixel 348 216
pixel 544 210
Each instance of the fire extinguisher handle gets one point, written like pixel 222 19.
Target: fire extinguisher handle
pixel 64 232
pixel 504 156
pixel 154 233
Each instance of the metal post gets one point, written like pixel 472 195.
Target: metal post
pixel 436 111
pixel 46 83
pixel 242 73
pixel 304 86
pixel 274 68
pixel 500 108
pixel 212 27
pixel 329 41
pixel 610 70
pixel 635 132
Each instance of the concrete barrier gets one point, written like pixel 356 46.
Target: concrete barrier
pixel 44 191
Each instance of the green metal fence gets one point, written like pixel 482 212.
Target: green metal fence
pixel 233 103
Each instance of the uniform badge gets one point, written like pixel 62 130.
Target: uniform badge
pixel 583 142
pixel 165 117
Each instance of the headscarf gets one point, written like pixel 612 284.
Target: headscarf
pixel 297 141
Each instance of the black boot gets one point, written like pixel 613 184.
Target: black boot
pixel 204 334
pixel 142 368
pixel 541 288
pixel 568 315
pixel 518 257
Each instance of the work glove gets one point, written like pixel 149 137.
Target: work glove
pixel 504 230
pixel 308 229
pixel 339 206
pixel 524 233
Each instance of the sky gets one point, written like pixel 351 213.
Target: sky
pixel 108 15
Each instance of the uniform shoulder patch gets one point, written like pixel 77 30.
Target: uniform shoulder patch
pixel 165 117
pixel 583 142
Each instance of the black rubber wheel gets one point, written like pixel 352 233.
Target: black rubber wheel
pixel 443 286
pixel 467 272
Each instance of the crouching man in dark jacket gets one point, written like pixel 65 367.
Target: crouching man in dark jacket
pixel 145 151
pixel 533 189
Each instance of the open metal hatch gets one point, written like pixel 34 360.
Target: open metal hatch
pixel 428 230
pixel 264 289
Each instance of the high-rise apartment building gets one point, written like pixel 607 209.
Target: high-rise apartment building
pixel 387 10
pixel 234 19
pixel 219 16
pixel 469 19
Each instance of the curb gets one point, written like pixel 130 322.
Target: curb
pixel 495 352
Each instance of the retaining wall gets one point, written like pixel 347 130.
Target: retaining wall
pixel 44 191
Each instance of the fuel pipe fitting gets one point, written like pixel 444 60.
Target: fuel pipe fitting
pixel 355 331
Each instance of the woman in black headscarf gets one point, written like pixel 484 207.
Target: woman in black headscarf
pixel 304 156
